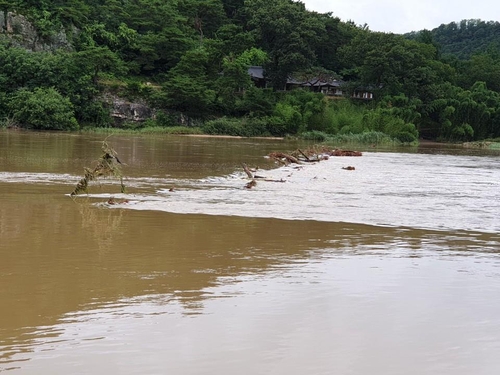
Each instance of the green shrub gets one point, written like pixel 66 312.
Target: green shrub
pixel 43 109
pixel 256 127
pixel 344 117
pixel 299 111
pixel 314 135
pixel 96 114
pixel 165 119
pixel 367 138
pixel 405 137
pixel 380 121
pixel 224 126
pixel 320 121
pixel 134 89
pixel 246 127
pixel 286 119
pixel 464 132
pixel 256 102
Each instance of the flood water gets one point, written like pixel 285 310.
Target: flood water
pixel 391 268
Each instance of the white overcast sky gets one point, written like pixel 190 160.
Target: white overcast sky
pixel 401 16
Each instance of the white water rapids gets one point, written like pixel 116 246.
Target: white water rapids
pixel 440 192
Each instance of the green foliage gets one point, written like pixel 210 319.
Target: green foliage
pixel 367 138
pixel 299 111
pixel 314 135
pixel 234 77
pixel 187 88
pixel 380 120
pixel 73 75
pixel 482 67
pixel 230 38
pixel 391 64
pixel 288 33
pixel 165 119
pixel 8 122
pixel 336 35
pixel 195 57
pixel 345 118
pixel 206 16
pixel 95 60
pixel 465 38
pixel 43 109
pixel 286 119
pixel 95 113
pixel 256 102
pixel 463 115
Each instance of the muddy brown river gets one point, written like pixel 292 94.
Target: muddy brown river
pixel 392 268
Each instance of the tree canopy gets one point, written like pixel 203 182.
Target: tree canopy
pixel 193 56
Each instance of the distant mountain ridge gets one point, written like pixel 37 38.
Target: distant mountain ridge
pixel 465 38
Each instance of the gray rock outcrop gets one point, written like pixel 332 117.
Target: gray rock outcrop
pixel 123 111
pixel 22 33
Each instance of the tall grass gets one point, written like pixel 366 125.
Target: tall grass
pixel 367 138
pixel 371 138
pixel 344 117
pixel 346 122
pixel 242 127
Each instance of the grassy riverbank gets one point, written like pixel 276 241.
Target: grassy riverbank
pixel 179 130
pixel 368 138
pixel 339 121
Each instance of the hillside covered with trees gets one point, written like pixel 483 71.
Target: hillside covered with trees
pixel 193 56
pixel 465 38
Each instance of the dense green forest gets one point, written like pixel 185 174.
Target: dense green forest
pixel 465 38
pixel 192 57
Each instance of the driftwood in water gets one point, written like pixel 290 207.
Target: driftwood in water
pixel 112 201
pixel 300 156
pixel 251 184
pixel 253 177
pixel 280 156
pixel 345 153
pixel 247 170
pixel 270 180
pixel 319 153
pixel 303 154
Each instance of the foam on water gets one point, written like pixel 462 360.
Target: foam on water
pixel 422 191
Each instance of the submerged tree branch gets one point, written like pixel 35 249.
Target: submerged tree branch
pixel 108 165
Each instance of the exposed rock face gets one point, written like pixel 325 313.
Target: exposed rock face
pixel 23 34
pixel 126 111
pixel 123 111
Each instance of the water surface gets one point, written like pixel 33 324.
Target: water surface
pixel 391 268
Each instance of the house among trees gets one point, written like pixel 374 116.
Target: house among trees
pixel 317 84
pixel 329 87
pixel 257 76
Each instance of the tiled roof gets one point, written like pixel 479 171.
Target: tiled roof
pixel 257 72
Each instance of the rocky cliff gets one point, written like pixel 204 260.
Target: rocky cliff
pixel 123 111
pixel 20 32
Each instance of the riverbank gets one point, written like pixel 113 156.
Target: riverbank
pixel 366 139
